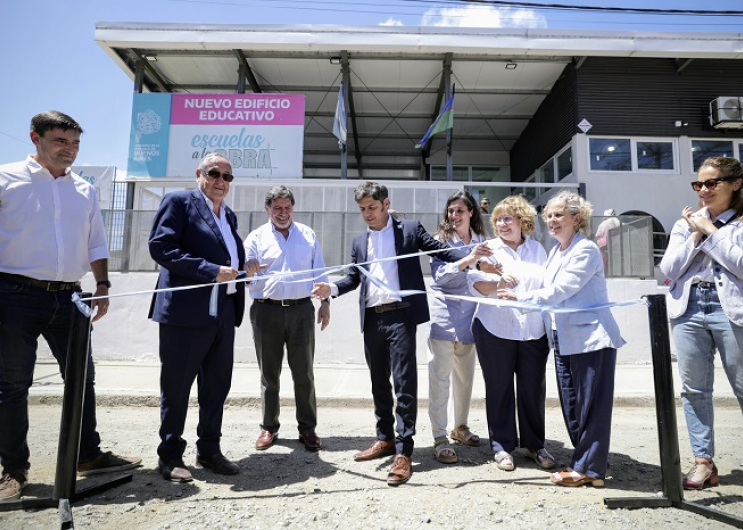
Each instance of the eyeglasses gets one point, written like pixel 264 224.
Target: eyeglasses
pixel 214 174
pixel 505 219
pixel 710 184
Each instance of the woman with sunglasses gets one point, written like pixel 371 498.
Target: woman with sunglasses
pixel 585 341
pixel 511 344
pixel 704 261
pixel 450 344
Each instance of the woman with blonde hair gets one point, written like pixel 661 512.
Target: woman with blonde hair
pixel 584 341
pixel 512 345
pixel 704 261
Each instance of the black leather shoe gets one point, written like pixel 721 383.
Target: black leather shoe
pixel 175 472
pixel 310 440
pixel 217 463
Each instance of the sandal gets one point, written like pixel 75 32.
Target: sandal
pixel 463 435
pixel 541 457
pixel 704 473
pixel 573 479
pixel 504 461
pixel 444 452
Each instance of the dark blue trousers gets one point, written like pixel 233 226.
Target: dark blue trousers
pixel 585 382
pixel 205 354
pixel 504 361
pixel 27 312
pixel 389 347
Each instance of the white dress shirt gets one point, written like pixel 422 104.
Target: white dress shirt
pixel 50 228
pixel 380 244
pixel 526 263
pixel 298 252
pixel 224 227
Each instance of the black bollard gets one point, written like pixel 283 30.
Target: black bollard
pixel 665 410
pixel 76 372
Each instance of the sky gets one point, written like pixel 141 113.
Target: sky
pixel 52 61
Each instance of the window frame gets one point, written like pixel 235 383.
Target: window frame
pixel 634 168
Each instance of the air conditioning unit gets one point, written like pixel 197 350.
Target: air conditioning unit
pixel 726 112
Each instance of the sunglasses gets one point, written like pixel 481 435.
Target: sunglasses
pixel 505 219
pixel 214 174
pixel 710 184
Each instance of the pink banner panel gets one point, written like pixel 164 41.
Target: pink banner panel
pixel 237 109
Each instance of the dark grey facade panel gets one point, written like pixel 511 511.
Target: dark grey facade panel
pixel 551 128
pixel 645 97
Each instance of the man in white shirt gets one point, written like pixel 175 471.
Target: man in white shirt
pixel 51 234
pixel 282 314
pixel 389 321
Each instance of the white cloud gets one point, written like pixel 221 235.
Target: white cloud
pixel 392 22
pixel 483 17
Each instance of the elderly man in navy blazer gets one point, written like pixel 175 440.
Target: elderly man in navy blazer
pixel 194 240
pixel 388 320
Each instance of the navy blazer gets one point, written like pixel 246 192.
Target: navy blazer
pixel 410 237
pixel 187 244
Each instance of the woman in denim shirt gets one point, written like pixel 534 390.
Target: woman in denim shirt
pixel 704 261
pixel 450 343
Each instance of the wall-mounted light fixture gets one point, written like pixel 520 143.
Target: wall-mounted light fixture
pixel 151 58
pixel 511 66
pixel 335 60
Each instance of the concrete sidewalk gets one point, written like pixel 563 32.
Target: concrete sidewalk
pixel 121 383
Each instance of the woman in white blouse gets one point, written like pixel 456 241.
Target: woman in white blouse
pixel 512 344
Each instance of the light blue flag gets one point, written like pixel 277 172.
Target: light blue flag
pixel 339 123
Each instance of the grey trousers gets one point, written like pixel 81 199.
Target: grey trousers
pixel 274 327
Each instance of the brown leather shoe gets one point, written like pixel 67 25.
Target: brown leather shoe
pixel 175 472
pixel 310 440
pixel 400 471
pixel 378 449
pixel 265 440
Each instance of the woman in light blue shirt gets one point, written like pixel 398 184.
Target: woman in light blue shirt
pixel 585 342
pixel 450 343
pixel 511 345
pixel 704 261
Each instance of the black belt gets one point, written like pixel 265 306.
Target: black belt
pixel 706 285
pixel 41 284
pixel 283 303
pixel 384 308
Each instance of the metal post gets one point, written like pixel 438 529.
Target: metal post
pixel 665 410
pixel 72 404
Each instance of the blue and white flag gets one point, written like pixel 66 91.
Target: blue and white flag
pixel 339 123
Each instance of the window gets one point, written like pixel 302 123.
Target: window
pixel 547 172
pixel 703 149
pixel 740 151
pixel 565 163
pixel 654 155
pixel 610 154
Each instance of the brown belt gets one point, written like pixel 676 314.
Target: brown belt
pixel 41 284
pixel 384 308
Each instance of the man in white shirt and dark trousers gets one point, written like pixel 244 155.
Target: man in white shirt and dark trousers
pixel 389 321
pixel 51 234
pixel 282 314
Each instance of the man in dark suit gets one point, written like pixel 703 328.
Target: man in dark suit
pixel 194 240
pixel 388 321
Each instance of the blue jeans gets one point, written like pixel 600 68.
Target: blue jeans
pixel 25 314
pixel 702 329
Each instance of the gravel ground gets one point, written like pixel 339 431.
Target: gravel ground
pixel 289 487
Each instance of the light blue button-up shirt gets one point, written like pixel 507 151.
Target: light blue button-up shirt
pixel 298 252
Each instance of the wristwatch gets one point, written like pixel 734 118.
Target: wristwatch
pixel 103 282
pixel 477 265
